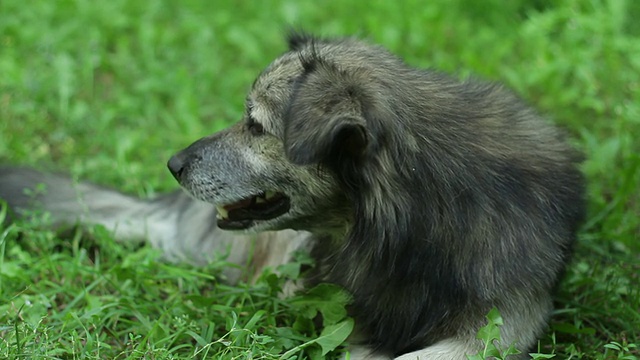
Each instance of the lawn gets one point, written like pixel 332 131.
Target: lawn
pixel 107 91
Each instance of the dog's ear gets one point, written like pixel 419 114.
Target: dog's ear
pixel 325 121
pixel 297 39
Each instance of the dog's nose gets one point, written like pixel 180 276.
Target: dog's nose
pixel 176 165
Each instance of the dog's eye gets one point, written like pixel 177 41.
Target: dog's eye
pixel 256 129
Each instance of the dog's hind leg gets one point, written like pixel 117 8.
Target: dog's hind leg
pixel 448 349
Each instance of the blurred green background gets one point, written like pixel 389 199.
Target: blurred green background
pixel 109 90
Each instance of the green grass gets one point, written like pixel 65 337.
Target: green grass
pixel 108 90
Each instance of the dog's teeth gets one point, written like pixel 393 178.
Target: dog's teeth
pixel 269 194
pixel 222 212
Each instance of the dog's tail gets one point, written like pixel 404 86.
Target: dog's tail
pixel 184 229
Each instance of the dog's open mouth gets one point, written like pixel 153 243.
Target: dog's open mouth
pixel 241 214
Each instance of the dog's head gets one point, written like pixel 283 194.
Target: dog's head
pixel 280 167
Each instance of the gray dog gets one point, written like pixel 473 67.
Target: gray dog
pixel 429 199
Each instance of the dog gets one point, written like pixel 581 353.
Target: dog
pixel 431 200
